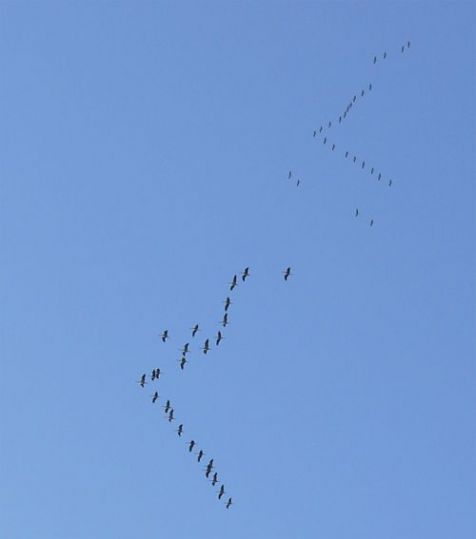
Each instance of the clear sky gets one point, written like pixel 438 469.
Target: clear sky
pixel 145 149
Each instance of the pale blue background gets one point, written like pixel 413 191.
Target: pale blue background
pixel 143 161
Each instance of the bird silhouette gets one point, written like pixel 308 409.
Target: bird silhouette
pixel 222 491
pixel 379 176
pixel 200 455
pixel 370 86
pixel 194 330
pixel 408 44
pixel 362 93
pixel 228 503
pixel 371 222
pixel 356 212
pixel 245 274
pixel 167 406
pixel 215 479
pixel 142 381
pixel 384 55
pixel 224 322
pixel 372 170
pixel 375 59
pixel 180 429
pixel 354 99
pixel 340 119
pixel 287 273
pixel 234 282
pixel 329 124
pixel 403 48
pixel 363 164
pixel 185 349
pixel 165 335
pixel 227 303
pixel 333 147
pixel 190 445
pixel 289 175
pixel 219 338
pixel 320 129
pixel 315 133
pixel 346 154
pixel 152 376
pixel 206 346
pixel 355 158
pixel 390 183
pixel 155 397
pixel 171 415
pixel 325 140
pixel 182 362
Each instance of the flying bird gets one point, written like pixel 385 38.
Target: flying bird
pixel 362 93
pixel 363 164
pixel 167 407
pixel 354 99
pixel 180 430
pixel 152 376
pixel 182 362
pixel 390 183
pixel 320 129
pixel 379 176
pixel 215 479
pixel 287 273
pixel 408 44
pixel 333 147
pixel 372 170
pixel 355 158
pixel 384 55
pixel 371 222
pixel 190 445
pixel 165 335
pixel 155 397
pixel 297 183
pixel 315 133
pixel 325 140
pixel 340 119
pixel 289 175
pixel 228 503
pixel 234 282
pixel 219 338
pixel 222 491
pixel 370 87
pixel 245 274
pixel 356 212
pixel 375 59
pixel 329 124
pixel 185 349
pixel 206 346
pixel 200 455
pixel 194 330
pixel 171 415
pixel 403 48
pixel 224 322
pixel 227 303
pixel 346 154
pixel 142 381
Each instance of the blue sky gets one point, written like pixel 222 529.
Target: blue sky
pixel 145 153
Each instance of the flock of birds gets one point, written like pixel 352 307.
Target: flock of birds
pixel 322 132
pixel 185 350
pixel 209 469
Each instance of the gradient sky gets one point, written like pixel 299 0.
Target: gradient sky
pixel 145 148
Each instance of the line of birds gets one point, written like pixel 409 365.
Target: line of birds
pixel 343 115
pixel 384 55
pixel 224 321
pixel 169 414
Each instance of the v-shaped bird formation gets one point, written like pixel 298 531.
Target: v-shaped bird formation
pixel 208 344
pixel 321 133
